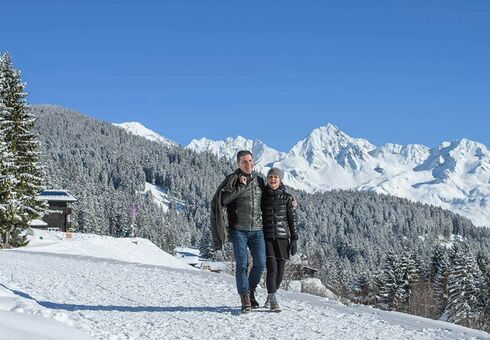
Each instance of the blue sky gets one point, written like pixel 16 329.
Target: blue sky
pixel 389 71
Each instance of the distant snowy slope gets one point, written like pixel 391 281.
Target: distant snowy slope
pixel 161 197
pixel 111 299
pixel 139 130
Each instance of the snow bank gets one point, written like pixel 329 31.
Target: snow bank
pixel 135 250
pixel 21 318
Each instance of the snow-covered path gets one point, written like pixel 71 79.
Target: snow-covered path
pixel 118 300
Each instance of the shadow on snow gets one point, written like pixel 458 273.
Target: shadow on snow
pixel 131 309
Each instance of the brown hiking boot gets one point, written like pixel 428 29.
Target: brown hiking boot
pixel 246 306
pixel 253 301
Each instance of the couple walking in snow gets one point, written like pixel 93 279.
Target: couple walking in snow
pixel 260 218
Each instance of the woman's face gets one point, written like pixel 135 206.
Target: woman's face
pixel 274 181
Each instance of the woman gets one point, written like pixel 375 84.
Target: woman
pixel 279 232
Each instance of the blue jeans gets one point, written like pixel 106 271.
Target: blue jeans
pixel 255 241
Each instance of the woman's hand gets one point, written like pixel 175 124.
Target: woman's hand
pixel 294 203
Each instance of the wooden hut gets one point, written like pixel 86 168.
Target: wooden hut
pixel 60 209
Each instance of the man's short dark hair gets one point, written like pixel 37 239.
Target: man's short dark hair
pixel 242 153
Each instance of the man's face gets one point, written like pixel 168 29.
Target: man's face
pixel 274 181
pixel 246 164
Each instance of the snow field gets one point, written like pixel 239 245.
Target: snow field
pixel 110 299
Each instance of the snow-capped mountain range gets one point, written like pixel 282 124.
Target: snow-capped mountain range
pixel 453 175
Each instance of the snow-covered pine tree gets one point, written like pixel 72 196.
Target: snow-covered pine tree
pixel 438 280
pixel 362 289
pixel 484 298
pixel 419 298
pixel 389 282
pixel 377 284
pixel 464 287
pixel 9 205
pixel 205 244
pixel 23 144
pixel 407 277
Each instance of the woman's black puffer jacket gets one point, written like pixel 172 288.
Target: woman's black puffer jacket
pixel 278 214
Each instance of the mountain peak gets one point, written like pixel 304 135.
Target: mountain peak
pixel 468 145
pixel 230 146
pixel 331 128
pixel 240 139
pixel 331 133
pixel 328 130
pixel 136 125
pixel 461 157
pixel 138 129
pixel 328 143
pixel 463 148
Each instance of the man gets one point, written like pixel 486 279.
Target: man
pixel 241 193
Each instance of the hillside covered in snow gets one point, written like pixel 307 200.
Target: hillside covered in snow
pixel 106 288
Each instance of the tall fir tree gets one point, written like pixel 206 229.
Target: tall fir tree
pixel 362 289
pixel 9 205
pixel 419 295
pixel 484 298
pixel 464 287
pixel 408 278
pixel 438 281
pixel 389 282
pixel 18 125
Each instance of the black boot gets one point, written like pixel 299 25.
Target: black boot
pixel 253 300
pixel 274 304
pixel 267 303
